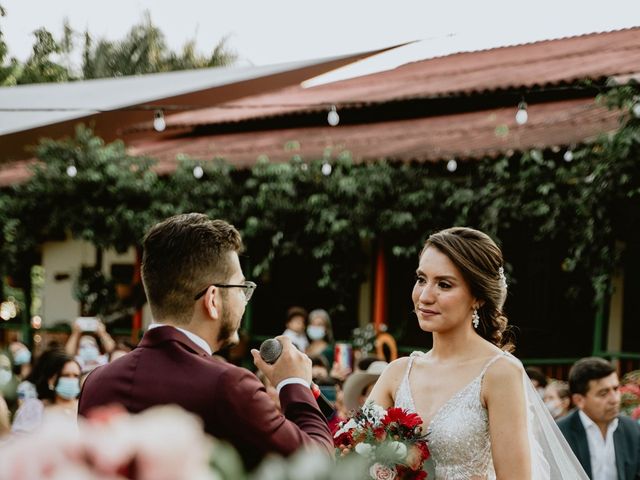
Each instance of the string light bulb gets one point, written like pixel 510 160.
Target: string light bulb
pixel 72 171
pixel 568 156
pixel 326 169
pixel 452 165
pixel 198 172
pixel 636 109
pixel 159 124
pixel 522 116
pixel 333 118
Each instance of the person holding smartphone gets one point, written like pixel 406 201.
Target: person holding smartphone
pixel 89 343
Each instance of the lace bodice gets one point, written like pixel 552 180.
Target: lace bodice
pixel 458 434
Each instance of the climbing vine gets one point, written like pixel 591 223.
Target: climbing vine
pixel 584 206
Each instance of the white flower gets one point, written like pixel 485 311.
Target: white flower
pixel 350 425
pixel 379 471
pixel 364 449
pixel 378 411
pixel 399 449
pixel 374 413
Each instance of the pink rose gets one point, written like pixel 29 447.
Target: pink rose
pixel 379 471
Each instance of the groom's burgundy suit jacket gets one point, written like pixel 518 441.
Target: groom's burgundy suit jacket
pixel 168 368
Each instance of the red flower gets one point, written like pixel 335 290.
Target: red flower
pixel 631 388
pixel 405 473
pixel 344 439
pixel 380 433
pixel 424 449
pixel 402 417
pixel 636 414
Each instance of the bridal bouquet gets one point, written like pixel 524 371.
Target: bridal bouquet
pixel 390 440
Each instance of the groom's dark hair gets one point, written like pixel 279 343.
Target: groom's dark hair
pixel 585 370
pixel 182 255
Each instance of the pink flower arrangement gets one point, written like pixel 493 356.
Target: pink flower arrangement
pixel 163 443
pixel 390 440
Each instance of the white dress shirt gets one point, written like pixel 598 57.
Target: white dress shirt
pixel 190 335
pixel 601 450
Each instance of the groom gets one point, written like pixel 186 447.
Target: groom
pixel 197 294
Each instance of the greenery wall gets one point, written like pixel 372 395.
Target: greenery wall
pixel 577 208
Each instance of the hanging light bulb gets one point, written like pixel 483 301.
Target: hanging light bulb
pixel 636 109
pixel 72 171
pixel 326 169
pixel 198 172
pixel 159 123
pixel 333 118
pixel 568 156
pixel 452 165
pixel 521 115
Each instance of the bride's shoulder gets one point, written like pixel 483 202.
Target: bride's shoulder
pixel 506 369
pixel 397 368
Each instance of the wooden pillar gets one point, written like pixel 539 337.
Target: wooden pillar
pixel 380 291
pixel 365 294
pixel 616 312
pixel 136 319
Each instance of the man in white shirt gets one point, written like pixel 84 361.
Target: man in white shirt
pixel 606 444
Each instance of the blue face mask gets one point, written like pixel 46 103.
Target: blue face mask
pixel 316 332
pixel 22 357
pixel 88 353
pixel 68 388
pixel 5 376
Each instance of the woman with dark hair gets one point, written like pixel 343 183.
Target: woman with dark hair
pixel 478 407
pixel 56 377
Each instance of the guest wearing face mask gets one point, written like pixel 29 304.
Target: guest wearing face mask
pixel 56 376
pixel 320 334
pixel 85 346
pixel 557 398
pixel 21 360
pixel 22 369
pixel 8 382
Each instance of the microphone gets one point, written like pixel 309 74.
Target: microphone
pixel 270 351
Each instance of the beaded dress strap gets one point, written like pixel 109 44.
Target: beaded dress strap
pixel 489 363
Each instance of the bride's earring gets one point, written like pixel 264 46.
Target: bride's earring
pixel 475 318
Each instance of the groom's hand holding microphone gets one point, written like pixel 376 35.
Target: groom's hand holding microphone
pixel 282 363
pixel 280 360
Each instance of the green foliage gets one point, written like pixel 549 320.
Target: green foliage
pixel 110 202
pixel 582 207
pixel 95 292
pixel 143 50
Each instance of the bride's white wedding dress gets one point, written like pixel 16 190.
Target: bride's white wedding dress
pixel 458 433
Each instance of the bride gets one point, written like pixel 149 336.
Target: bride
pixel 482 417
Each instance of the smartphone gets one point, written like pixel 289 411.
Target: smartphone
pixel 87 324
pixel 343 355
pixel 329 391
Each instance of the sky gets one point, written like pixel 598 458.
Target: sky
pixel 265 32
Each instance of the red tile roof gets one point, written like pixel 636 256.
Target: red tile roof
pixel 466 135
pixel 548 63
pixel 490 132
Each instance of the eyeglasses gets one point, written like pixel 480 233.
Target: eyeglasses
pixel 246 286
